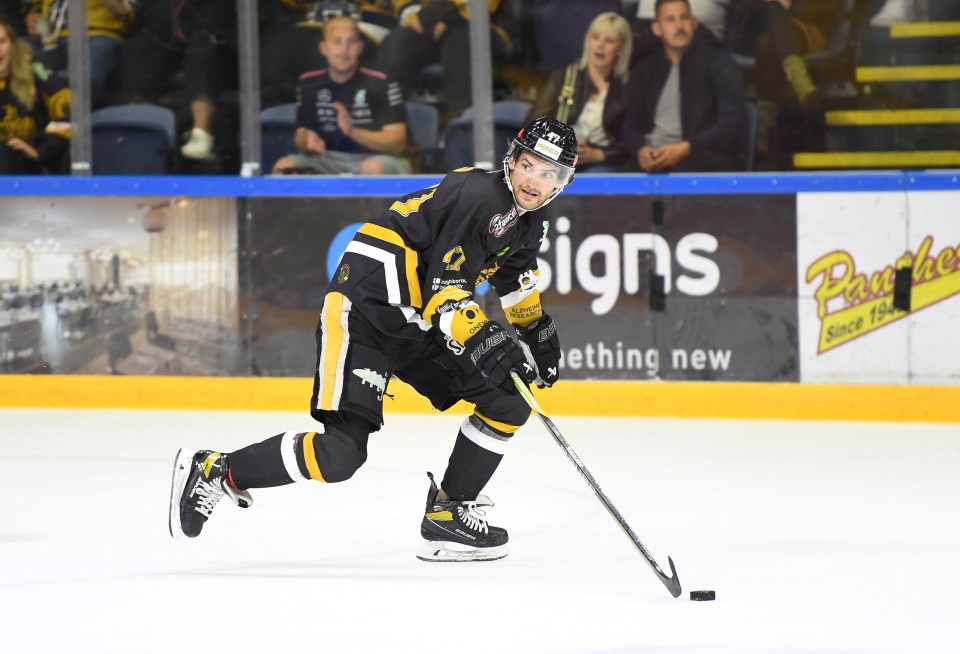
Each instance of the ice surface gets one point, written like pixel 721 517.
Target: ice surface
pixel 817 537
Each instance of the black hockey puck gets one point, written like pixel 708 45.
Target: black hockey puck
pixel 703 595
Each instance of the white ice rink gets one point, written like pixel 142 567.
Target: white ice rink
pixel 817 537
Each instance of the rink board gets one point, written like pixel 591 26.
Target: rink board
pixel 601 398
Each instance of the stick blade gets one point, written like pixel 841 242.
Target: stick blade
pixel 673 581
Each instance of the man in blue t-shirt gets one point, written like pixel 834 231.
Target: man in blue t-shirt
pixel 349 119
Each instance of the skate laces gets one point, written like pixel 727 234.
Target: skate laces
pixel 207 494
pixel 473 516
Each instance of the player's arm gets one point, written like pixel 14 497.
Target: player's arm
pixel 451 307
pixel 520 300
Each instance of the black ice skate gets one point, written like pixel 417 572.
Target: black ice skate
pixel 457 531
pixel 199 481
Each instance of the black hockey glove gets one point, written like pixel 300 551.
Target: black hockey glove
pixel 495 354
pixel 540 339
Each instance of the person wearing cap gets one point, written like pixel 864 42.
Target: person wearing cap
pixel 401 304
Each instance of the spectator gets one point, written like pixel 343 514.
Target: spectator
pixel 590 94
pixel 785 31
pixel 685 102
pixel 711 15
pixel 108 23
pixel 711 29
pixel 34 110
pixel 196 36
pixel 349 119
pixel 289 28
pixel 283 41
pixel 438 31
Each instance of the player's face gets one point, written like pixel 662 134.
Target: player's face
pixel 675 25
pixel 341 46
pixel 533 179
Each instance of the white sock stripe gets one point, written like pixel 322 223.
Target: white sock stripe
pixel 487 442
pixel 288 452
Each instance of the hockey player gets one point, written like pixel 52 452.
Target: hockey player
pixel 401 305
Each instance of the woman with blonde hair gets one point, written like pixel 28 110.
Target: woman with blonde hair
pixel 590 93
pixel 34 107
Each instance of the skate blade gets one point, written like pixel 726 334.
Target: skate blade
pixel 442 551
pixel 181 470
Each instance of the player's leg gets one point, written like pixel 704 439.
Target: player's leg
pixel 347 398
pixel 454 526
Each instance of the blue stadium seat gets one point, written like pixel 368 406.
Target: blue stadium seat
pixel 508 118
pixel 278 125
pixel 423 126
pixel 423 122
pixel 133 139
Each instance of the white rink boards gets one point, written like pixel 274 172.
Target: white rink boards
pixel 817 537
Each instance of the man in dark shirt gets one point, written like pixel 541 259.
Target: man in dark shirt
pixel 401 304
pixel 686 103
pixel 350 119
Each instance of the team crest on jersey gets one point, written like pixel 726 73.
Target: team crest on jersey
pixel 324 95
pixel 528 280
pixel 499 224
pixel 343 274
pixel 360 97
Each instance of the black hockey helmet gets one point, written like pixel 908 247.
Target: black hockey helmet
pixel 550 140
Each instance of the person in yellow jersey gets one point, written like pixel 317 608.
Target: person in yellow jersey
pixel 108 25
pixel 34 110
pixel 401 304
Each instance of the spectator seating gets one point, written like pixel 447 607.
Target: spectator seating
pixel 133 139
pixel 831 64
pixel 906 115
pixel 423 125
pixel 279 124
pixel 277 128
pixel 559 27
pixel 508 118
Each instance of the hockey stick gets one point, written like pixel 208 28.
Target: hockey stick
pixel 672 582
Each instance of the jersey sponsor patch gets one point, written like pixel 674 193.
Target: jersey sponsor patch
pixel 499 224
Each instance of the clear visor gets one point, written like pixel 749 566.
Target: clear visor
pixel 541 170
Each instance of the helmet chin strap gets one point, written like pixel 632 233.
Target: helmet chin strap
pixel 516 202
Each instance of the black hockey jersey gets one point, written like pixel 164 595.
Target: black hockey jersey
pixel 417 265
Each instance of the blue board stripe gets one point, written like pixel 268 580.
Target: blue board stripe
pixel 624 184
